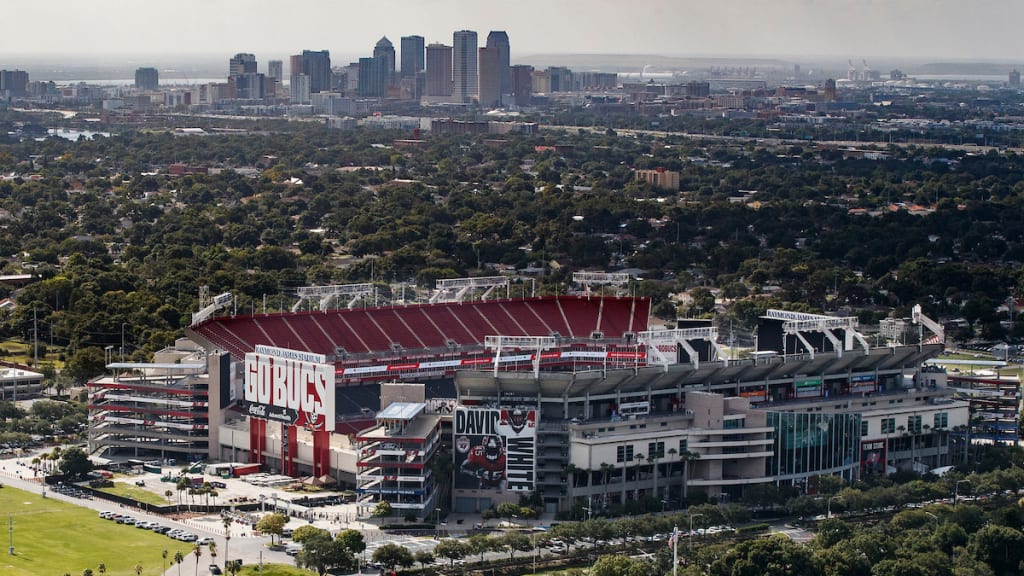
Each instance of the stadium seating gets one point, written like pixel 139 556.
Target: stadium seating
pixel 425 326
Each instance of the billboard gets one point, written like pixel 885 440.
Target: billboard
pixel 291 387
pixel 495 449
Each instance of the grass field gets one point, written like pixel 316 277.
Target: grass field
pixel 132 491
pixel 275 570
pixel 53 538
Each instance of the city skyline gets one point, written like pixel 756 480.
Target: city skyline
pixel 946 29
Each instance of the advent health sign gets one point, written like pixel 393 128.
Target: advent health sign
pixel 292 387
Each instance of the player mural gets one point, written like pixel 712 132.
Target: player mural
pixel 495 449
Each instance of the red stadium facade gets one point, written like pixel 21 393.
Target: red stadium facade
pixel 432 341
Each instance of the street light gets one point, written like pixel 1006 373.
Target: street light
pixel 690 544
pixel 956 490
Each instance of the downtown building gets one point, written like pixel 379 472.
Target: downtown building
pixel 464 66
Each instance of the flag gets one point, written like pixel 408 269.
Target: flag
pixel 672 539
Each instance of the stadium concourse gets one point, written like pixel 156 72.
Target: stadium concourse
pixel 573 398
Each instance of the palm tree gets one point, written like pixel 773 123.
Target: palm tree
pixel 653 459
pixel 164 556
pixel 197 549
pixel 227 538
pixel 638 458
pixel 606 470
pixel 178 559
pixel 138 569
pixel 102 568
pixel 687 456
pixel 671 469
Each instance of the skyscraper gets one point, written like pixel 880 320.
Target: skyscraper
pixel 439 70
pixel 384 55
pixel 275 70
pixel 147 79
pixel 13 83
pixel 412 55
pixel 490 77
pixel 1015 78
pixel 316 65
pixel 522 84
pixel 498 40
pixel 241 63
pixel 464 65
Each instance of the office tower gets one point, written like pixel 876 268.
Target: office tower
pixel 299 86
pixel 412 55
pixel 13 83
pixel 490 77
pixel 439 70
pixel 498 40
pixel 464 65
pixel 522 84
pixel 275 70
pixel 369 77
pixel 241 63
pixel 248 86
pixel 316 65
pixel 561 78
pixel 1015 78
pixel 384 59
pixel 830 90
pixel 147 79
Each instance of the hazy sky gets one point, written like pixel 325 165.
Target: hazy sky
pixel 929 29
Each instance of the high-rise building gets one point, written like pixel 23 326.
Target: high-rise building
pixel 241 63
pixel 316 65
pixel 248 86
pixel 490 77
pixel 412 55
pixel 439 70
pixel 522 84
pixel 384 53
pixel 147 79
pixel 299 87
pixel 498 40
pixel 275 70
pixel 13 83
pixel 830 90
pixel 1015 78
pixel 464 65
pixel 370 82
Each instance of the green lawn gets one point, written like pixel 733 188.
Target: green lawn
pixel 134 492
pixel 275 570
pixel 53 538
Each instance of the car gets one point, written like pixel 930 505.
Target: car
pixel 107 515
pixel 188 537
pixel 128 520
pixel 174 533
pixel 159 529
pixel 144 525
pixel 205 540
pixel 215 570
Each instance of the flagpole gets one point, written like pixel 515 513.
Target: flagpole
pixel 675 550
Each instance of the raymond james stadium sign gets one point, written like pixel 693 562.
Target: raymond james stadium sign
pixel 291 387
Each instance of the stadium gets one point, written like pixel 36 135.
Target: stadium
pixel 574 398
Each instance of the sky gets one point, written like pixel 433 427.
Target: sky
pixel 797 29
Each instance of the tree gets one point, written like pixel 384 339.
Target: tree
pixel 620 566
pixel 775 556
pixel 164 556
pixel 424 557
pixel 197 550
pixel 480 544
pixel 321 553
pixel 272 524
pixel 392 555
pixel 307 531
pixel 686 457
pixel 516 542
pixel 382 509
pixel 451 549
pixel 352 540
pixel 102 568
pixel 86 363
pixel 1000 547
pixel 75 463
pixel 178 559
